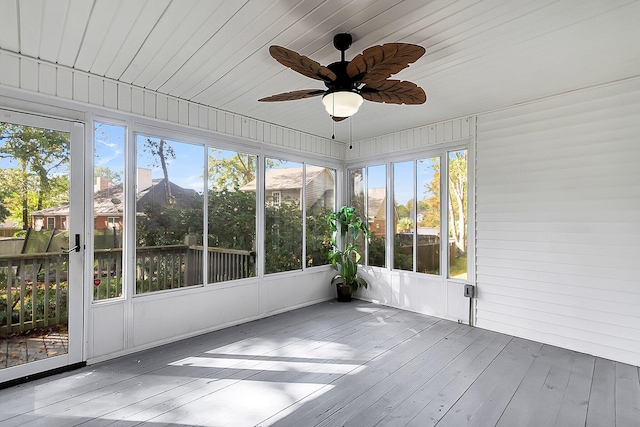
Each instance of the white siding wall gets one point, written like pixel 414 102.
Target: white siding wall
pixel 558 221
pixel 412 139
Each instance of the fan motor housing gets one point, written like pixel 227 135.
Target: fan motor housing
pixel 342 81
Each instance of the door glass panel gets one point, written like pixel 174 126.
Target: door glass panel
pixel 34 230
pixel 108 210
pixel 458 214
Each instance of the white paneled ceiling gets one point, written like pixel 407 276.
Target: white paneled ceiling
pixel 481 55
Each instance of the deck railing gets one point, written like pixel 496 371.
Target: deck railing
pixel 33 291
pixel 33 287
pixel 177 266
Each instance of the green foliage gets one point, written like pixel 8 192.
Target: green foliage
pixel 109 287
pixel 40 178
pixel 377 250
pixel 459 267
pixel 346 224
pixel 283 238
pixel 54 308
pixel 226 173
pixel 4 210
pixel 402 211
pixel 232 225
pixel 167 225
pixel 402 258
pixel 405 225
pixel 232 219
pixel 318 237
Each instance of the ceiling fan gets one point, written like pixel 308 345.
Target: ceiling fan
pixel 364 77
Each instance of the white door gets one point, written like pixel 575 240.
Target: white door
pixel 41 245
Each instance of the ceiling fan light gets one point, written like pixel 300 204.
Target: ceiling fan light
pixel 342 103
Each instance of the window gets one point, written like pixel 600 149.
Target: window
pixel 283 223
pixel 417 243
pixel 113 223
pixel 231 207
pixel 371 181
pixel 457 161
pixel 51 223
pixel 169 214
pixel 377 214
pixel 428 215
pixel 404 215
pixel 320 201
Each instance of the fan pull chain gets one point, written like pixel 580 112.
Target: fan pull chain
pixel 333 112
pixel 350 133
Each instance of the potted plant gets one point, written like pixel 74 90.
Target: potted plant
pixel 346 224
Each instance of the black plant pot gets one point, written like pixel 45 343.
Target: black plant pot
pixel 344 292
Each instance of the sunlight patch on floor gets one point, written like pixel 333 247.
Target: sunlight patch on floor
pixel 270 365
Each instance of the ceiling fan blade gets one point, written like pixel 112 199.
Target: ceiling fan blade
pixel 378 63
pixel 338 119
pixel 291 96
pixel 303 65
pixel 394 92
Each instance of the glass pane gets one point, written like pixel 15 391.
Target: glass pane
pixel 357 200
pixel 404 212
pixel 34 216
pixel 320 193
pixel 169 220
pixel 108 210
pixel 458 214
pixel 377 213
pixel 428 216
pixel 283 216
pixel 232 215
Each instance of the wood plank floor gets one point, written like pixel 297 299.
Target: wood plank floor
pixel 337 364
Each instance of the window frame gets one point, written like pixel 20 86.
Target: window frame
pixel 442 151
pixel 222 142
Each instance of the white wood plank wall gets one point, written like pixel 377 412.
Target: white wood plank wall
pixel 410 139
pixel 558 221
pixel 17 71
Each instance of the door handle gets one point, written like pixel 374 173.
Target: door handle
pixel 76 248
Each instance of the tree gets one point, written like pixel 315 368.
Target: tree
pixel 283 238
pixel 432 208
pixel 405 225
pixel 232 219
pixel 42 159
pixel 226 173
pixel 160 151
pixel 402 211
pixel 457 200
pixel 233 172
